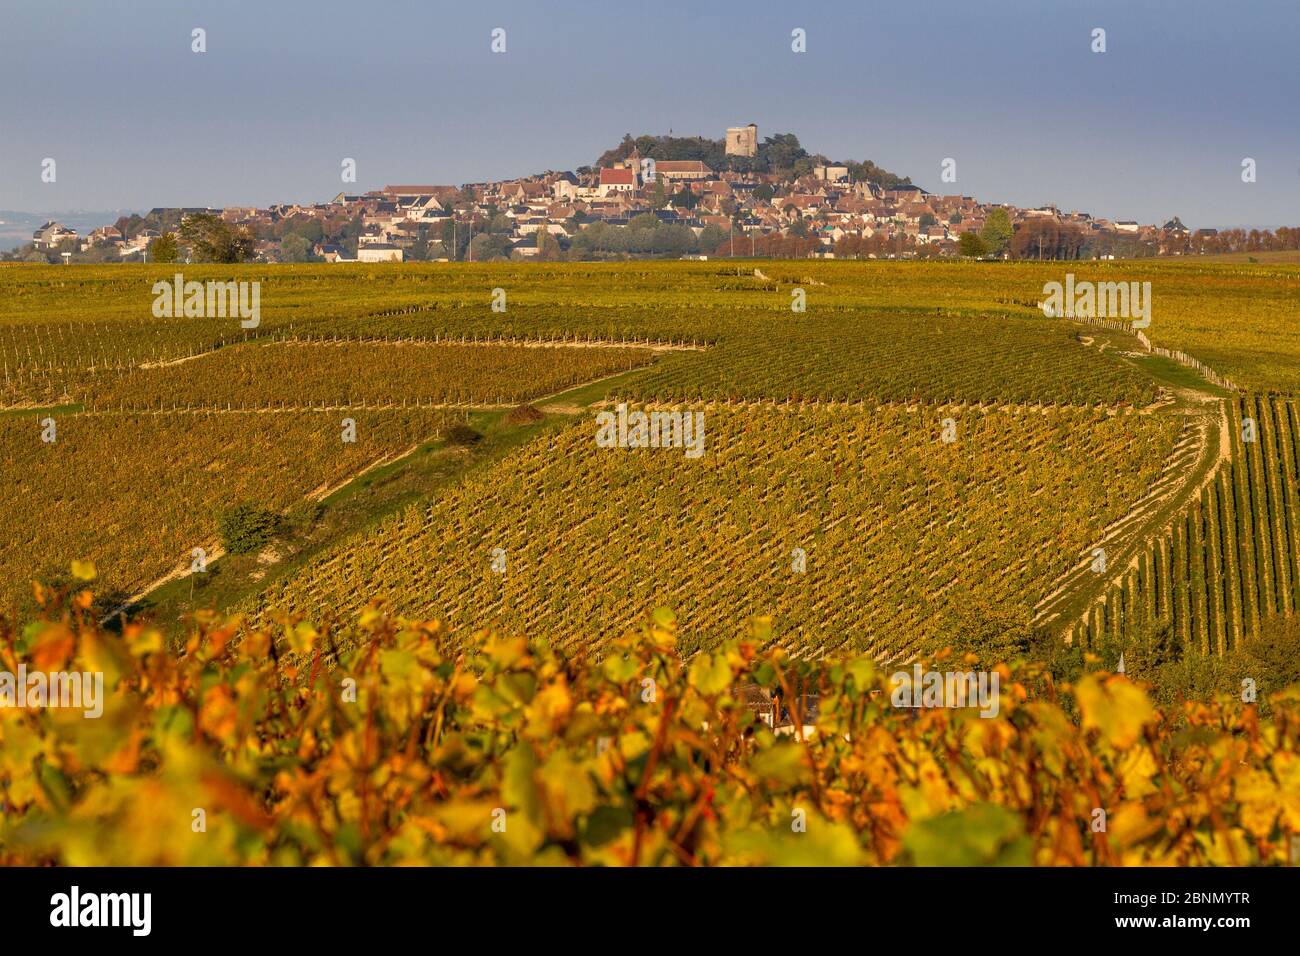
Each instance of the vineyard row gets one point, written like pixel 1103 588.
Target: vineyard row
pixel 1232 559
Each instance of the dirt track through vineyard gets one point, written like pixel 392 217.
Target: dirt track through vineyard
pixel 214 549
pixel 1201 451
pixel 648 345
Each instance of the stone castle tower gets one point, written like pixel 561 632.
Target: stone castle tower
pixel 633 162
pixel 742 140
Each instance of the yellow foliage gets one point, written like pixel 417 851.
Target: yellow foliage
pixel 499 750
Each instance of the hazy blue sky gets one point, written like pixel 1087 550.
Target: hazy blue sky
pixel 1156 126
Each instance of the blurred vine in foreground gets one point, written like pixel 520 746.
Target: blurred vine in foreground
pixel 386 743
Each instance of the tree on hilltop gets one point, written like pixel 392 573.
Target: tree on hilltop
pixel 212 239
pixel 997 231
pixel 164 248
pixel 778 153
pixel 869 172
pixel 295 248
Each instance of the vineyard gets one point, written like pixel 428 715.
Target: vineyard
pixel 1239 318
pixel 872 319
pixel 135 493
pixel 917 466
pixel 899 357
pixel 826 386
pixel 347 373
pixel 1231 560
pixel 903 533
pixel 157 430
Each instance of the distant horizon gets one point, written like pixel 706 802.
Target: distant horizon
pixel 142 210
pixel 1155 127
pixel 810 147
pixel 87 213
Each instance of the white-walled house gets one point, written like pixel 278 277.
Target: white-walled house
pixel 617 181
pixel 379 252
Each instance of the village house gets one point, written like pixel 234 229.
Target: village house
pixel 824 204
pixel 804 206
pixel 378 252
pixel 104 235
pixel 1042 212
pixel 427 209
pixel 52 234
pixel 383 214
pixel 831 174
pixel 683 170
pixel 614 181
pixel 410 193
pixel 329 252
pixel 565 188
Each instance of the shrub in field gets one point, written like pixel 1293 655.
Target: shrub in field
pixel 387 743
pixel 245 528
pixel 523 415
pixel 462 435
pixel 81 497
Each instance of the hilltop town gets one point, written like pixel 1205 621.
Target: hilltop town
pixel 661 197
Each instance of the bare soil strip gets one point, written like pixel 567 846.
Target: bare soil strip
pixel 647 345
pixel 177 361
pixel 212 549
pixel 985 408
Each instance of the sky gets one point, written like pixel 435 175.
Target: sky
pixel 1156 126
